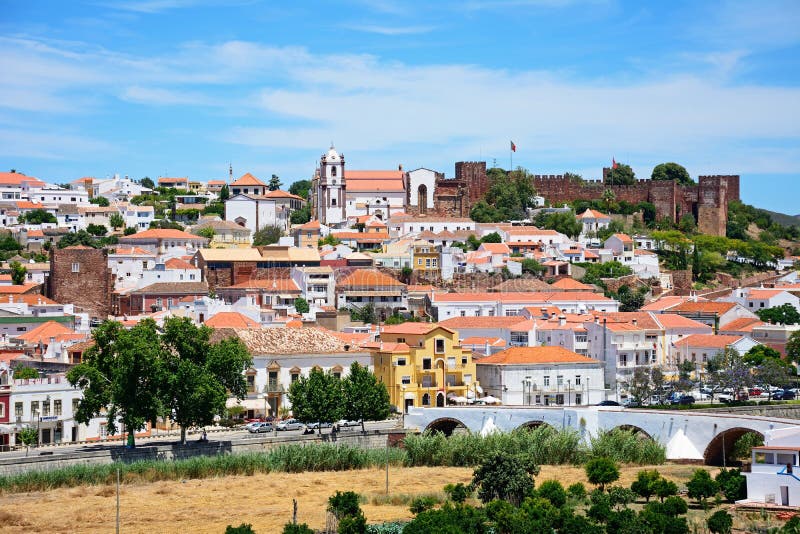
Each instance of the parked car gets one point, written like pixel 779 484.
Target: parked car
pixel 260 427
pixel 786 394
pixel 608 403
pixel 289 424
pixel 345 423
pixel 314 426
pixel 686 399
pixel 630 403
pixel 251 425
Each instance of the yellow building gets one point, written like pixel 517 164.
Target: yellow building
pixel 426 256
pixel 423 364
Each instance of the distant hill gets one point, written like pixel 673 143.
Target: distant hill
pixel 782 218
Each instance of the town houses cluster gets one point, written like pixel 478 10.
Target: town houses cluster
pixel 443 309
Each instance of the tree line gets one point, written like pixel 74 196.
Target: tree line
pixel 137 375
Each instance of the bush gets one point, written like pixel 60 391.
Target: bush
pixel 733 484
pixel 720 522
pixel 457 492
pixel 302 528
pixel 553 491
pixel 577 491
pixel 342 504
pixel 503 477
pixel 244 528
pixel 420 504
pixel 627 447
pixel 645 484
pixel 702 486
pixel 601 471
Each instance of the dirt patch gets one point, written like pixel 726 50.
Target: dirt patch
pixel 265 501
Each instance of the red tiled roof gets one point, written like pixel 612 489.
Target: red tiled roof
pixel 132 251
pixel 30 299
pixel 35 233
pixel 159 233
pixel 457 323
pixel 231 320
pixel 164 179
pixel 176 263
pixel 541 296
pixel 534 356
pixel 274 284
pixel 625 238
pixel 593 214
pixel 742 324
pixel 17 179
pixel 478 340
pixel 311 225
pixel 369 278
pixel 674 320
pixel 17 289
pixel 45 331
pixel 412 328
pixel 496 248
pixel 764 293
pixel 707 341
pixel 571 283
pixel 705 307
pixel 277 193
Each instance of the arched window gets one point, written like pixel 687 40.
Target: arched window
pixel 426 399
pixel 422 198
pixel 333 171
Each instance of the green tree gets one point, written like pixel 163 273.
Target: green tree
pixel 720 522
pixel 267 235
pixel 274 183
pixel 121 376
pixel 147 182
pixel 783 314
pixel 732 483
pixel 100 201
pixel 8 243
pixel 18 273
pixel 224 193
pixel 301 216
pixel 743 446
pixel 299 528
pixel 37 216
pixel 198 374
pixel 130 230
pixel 493 237
pixel 645 484
pixel 365 397
pixel 207 232
pixel 687 224
pixel 601 471
pixel 701 486
pixel 97 230
pixel 664 488
pixel 505 477
pixel 793 347
pixel 301 305
pixel 22 372
pixel 317 397
pixel 532 266
pixel 457 493
pixel 563 222
pixel 116 221
pixel 28 437
pixel 244 528
pixel 450 519
pixel 671 171
pixel 166 224
pixel 621 175
pixel 300 188
pixel 553 491
pixel 639 386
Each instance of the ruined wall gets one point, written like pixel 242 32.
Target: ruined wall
pixel 80 276
pixel 473 174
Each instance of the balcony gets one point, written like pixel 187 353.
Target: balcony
pixel 274 386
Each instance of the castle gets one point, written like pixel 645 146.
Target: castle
pixel 707 200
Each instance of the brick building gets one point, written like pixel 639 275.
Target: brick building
pixel 80 275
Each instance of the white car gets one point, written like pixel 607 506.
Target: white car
pixel 289 424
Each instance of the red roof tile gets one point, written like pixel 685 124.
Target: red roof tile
pixel 534 356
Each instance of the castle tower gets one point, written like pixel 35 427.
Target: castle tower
pixel 329 199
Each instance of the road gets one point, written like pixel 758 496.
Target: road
pixel 238 434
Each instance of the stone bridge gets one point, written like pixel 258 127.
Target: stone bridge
pixel 688 435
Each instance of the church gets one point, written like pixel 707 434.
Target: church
pixel 340 196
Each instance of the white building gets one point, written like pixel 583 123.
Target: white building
pixel 541 376
pixel 138 217
pixel 774 476
pixel 254 211
pixel 448 305
pixel 317 285
pixel 58 195
pixel 421 186
pixel 403 225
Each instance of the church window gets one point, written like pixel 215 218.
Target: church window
pixel 333 202
pixel 333 171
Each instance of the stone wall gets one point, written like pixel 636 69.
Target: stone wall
pixel 80 276
pixel 368 440
pixel 784 411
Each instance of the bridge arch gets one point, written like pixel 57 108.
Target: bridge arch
pixel 447 426
pixel 635 430
pixel 719 450
pixel 533 425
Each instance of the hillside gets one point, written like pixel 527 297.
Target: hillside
pixel 782 218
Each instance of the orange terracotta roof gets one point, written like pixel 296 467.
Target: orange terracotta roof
pixel 705 307
pixel 593 214
pixel 388 347
pixel 216 182
pixel 478 340
pixel 376 224
pixel 570 283
pixel 369 278
pixel 267 284
pixel 282 194
pixel 707 341
pixel 379 181
pixel 764 293
pixel 30 299
pixel 27 205
pixel 412 328
pixel 743 324
pixel 625 238
pixel 35 233
pixel 158 233
pixel 665 303
pixel 231 320
pixel 132 251
pixel 44 332
pixel 496 248
pixel 176 263
pixel 17 179
pixel 354 339
pixel 540 296
pixel 534 356
pixel 17 289
pixel 165 179
pixel 311 225
pixel 674 320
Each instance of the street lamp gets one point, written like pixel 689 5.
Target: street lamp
pixel 403 412
pixel 38 421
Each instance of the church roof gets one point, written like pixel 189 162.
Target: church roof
pixel 378 181
pixel 248 179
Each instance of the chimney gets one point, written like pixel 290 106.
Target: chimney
pixel 400 167
pixel 635 322
pixel 562 320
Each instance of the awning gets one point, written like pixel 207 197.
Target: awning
pixel 371 293
pixel 247 404
pixel 287 297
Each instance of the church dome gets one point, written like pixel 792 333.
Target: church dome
pixel 332 155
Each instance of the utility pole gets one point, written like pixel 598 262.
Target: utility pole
pixel 118 500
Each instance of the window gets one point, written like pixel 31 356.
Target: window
pixel 401 361
pixel 76 267
pixel 57 407
pixel 560 398
pixel 491 313
pixel 464 360
pixel 34 409
pixel 559 380
pixel 577 380
pixel 477 313
pixel 463 313
pixel 18 409
pixel 46 408
pixel 406 379
pixel 426 399
pixel 333 172
pixel 75 403
pixel 439 345
pixel 333 202
pixel 295 377
pixel 546 380
pixel 578 398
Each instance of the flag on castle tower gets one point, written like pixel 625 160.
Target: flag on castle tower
pixel 513 147
pixel 614 163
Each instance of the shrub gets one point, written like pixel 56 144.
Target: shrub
pixel 420 504
pixel 553 491
pixel 732 483
pixel 720 522
pixel 342 504
pixel 702 486
pixel 577 491
pixel 244 528
pixel 627 447
pixel 503 477
pixel 645 484
pixel 664 488
pixel 601 471
pixel 292 528
pixel 457 492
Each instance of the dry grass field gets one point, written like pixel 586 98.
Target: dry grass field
pixel 265 501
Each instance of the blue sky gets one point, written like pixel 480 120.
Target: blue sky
pixel 185 87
